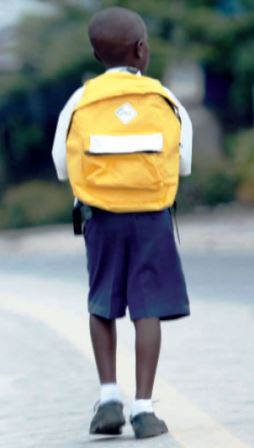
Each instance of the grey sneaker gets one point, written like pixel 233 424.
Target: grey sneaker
pixel 108 419
pixel 147 424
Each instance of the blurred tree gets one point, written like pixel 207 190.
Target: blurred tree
pixel 218 34
pixel 49 47
pixel 56 52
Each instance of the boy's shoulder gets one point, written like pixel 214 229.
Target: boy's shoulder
pixel 74 99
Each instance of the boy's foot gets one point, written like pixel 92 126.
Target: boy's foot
pixel 108 419
pixel 147 424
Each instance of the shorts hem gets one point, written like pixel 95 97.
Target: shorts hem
pixel 105 315
pixel 163 316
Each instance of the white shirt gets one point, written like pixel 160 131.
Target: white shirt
pixel 64 121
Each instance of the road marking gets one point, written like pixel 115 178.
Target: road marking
pixel 189 426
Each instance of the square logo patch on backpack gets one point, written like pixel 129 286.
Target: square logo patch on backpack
pixel 126 113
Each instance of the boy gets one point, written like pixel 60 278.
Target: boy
pixel 125 169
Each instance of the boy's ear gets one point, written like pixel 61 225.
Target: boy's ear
pixel 139 48
pixel 97 56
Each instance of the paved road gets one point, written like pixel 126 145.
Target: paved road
pixel 48 382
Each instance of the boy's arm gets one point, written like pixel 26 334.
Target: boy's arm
pixel 185 138
pixel 63 124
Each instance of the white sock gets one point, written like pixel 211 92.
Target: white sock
pixel 139 406
pixel 110 392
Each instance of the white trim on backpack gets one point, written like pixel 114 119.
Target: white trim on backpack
pixel 125 144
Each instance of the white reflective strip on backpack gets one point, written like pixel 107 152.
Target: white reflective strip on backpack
pixel 110 144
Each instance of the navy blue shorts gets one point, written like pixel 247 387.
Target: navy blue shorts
pixel 133 262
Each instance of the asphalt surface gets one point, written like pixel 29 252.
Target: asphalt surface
pixel 48 386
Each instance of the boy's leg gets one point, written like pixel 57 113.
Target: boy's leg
pixel 148 342
pixel 105 233
pixel 103 335
pixel 109 417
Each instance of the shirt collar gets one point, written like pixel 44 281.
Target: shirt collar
pixel 124 69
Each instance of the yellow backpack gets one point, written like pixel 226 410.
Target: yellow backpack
pixel 123 144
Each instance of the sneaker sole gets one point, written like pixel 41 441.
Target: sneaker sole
pixel 112 427
pixel 145 425
pixel 149 433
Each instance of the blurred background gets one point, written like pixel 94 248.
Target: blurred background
pixel 202 49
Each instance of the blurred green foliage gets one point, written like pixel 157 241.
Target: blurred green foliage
pixel 208 188
pixel 231 180
pixel 243 162
pixel 242 149
pixel 35 203
pixel 55 54
pixel 179 29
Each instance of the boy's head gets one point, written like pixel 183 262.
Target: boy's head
pixel 119 38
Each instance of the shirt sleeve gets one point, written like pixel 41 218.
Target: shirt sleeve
pixel 62 128
pixel 185 137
